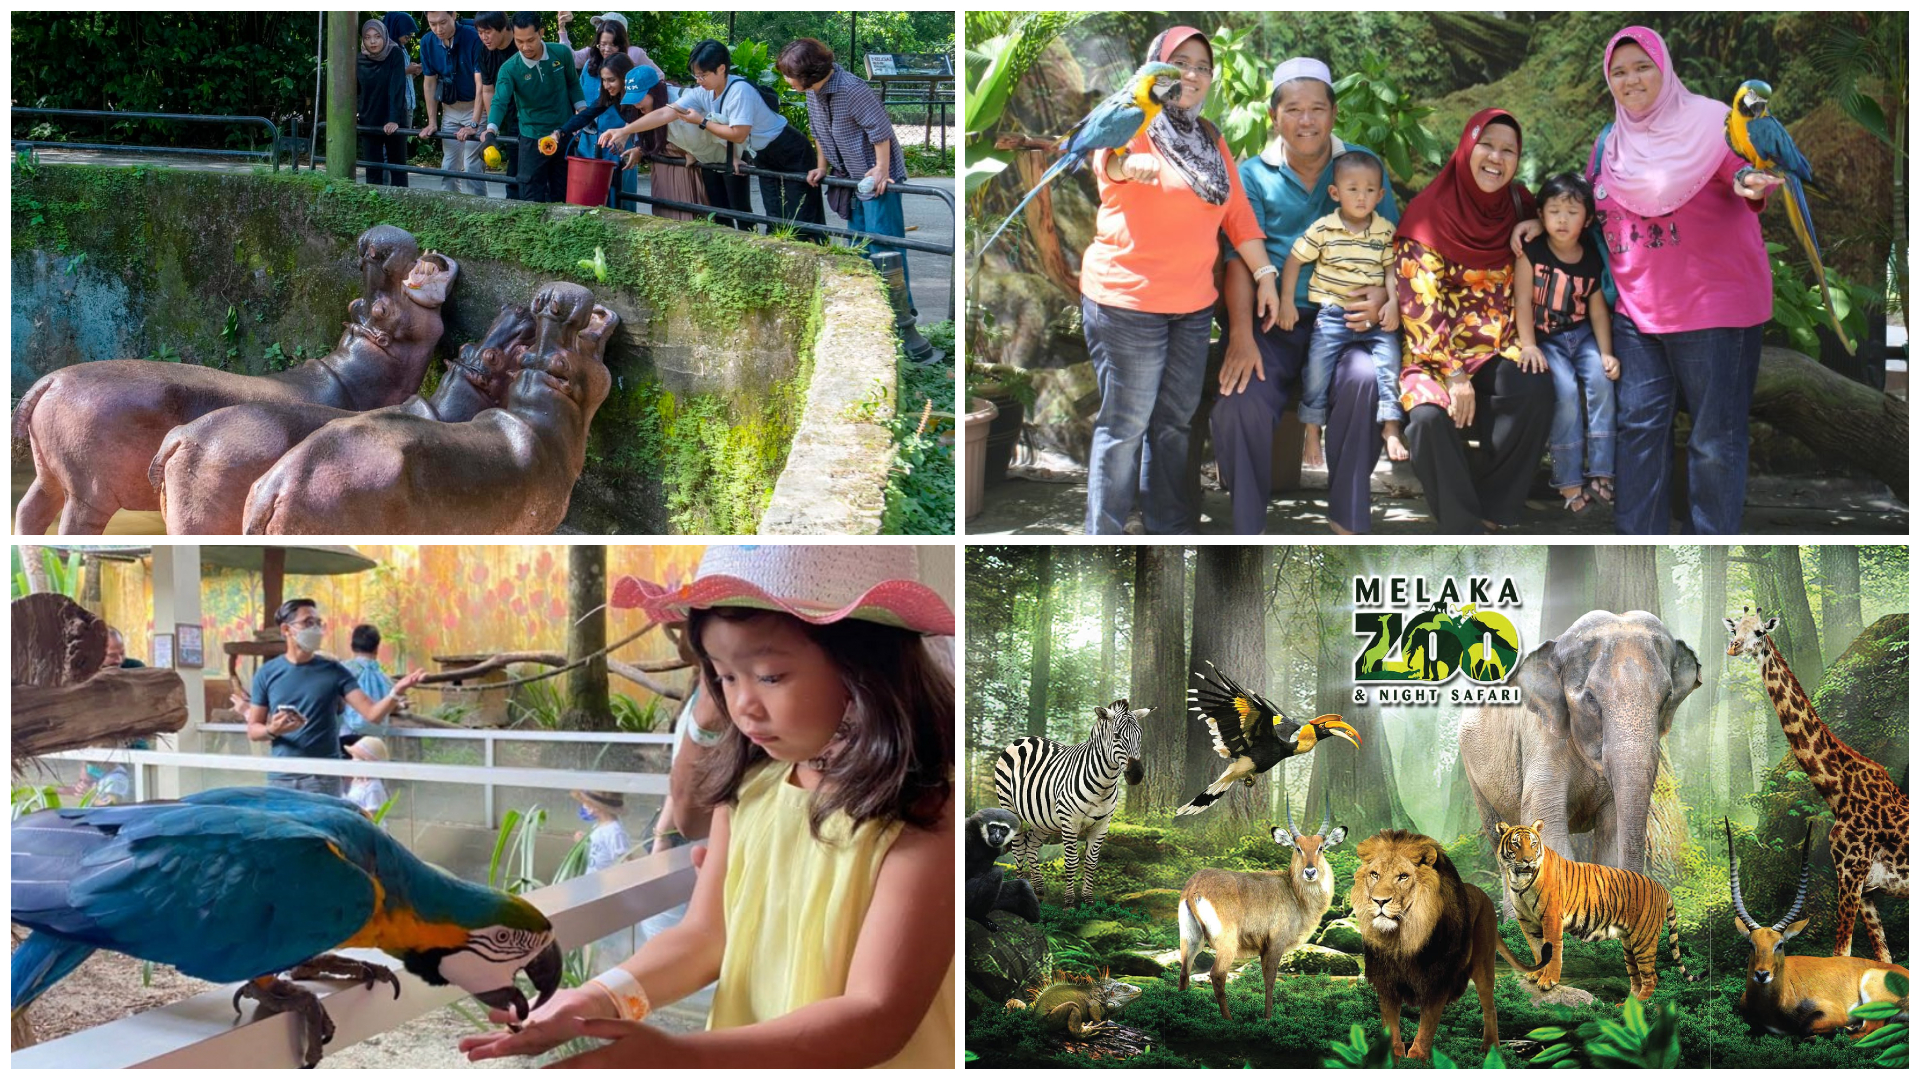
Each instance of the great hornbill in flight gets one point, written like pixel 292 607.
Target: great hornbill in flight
pixel 1251 733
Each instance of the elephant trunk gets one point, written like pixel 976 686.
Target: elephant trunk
pixel 1631 779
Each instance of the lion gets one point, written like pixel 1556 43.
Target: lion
pixel 1424 933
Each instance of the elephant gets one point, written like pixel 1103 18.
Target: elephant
pixel 1582 750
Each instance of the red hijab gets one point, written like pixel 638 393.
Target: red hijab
pixel 1466 225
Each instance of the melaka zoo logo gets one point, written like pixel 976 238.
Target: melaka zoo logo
pixel 1417 635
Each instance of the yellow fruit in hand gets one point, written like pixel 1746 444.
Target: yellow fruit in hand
pixel 548 145
pixel 491 155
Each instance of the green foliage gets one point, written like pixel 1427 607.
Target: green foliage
pixel 632 717
pixel 920 486
pixel 63 575
pixel 33 798
pixel 996 380
pixel 1635 1041
pixel 1357 1053
pixel 1798 307
pixel 928 160
pixel 1377 113
pixel 1237 104
pixel 1001 47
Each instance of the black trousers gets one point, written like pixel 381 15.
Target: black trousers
pixel 388 149
pixel 791 200
pixel 1512 412
pixel 729 192
pixel 547 179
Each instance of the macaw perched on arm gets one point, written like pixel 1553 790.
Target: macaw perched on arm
pixel 1763 141
pixel 242 884
pixel 1112 124
pixel 1251 733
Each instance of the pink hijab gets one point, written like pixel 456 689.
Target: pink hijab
pixel 1655 161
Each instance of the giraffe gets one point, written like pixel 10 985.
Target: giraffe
pixel 1870 817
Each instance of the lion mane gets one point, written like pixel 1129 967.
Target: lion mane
pixel 1428 898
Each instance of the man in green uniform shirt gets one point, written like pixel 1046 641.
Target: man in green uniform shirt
pixel 542 82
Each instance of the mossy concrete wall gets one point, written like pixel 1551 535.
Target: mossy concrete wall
pixel 254 272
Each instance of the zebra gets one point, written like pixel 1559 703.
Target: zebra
pixel 1069 791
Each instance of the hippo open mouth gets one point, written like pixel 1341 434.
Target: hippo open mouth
pixel 430 278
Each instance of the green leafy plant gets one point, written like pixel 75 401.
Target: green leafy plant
pixel 1636 1041
pixel 597 266
pixel 165 354
pixel 1890 1040
pixel 1237 103
pixel 63 575
pixel 1798 306
pixel 1358 1053
pixel 1001 47
pixel 997 380
pixel 1376 113
pixel 631 716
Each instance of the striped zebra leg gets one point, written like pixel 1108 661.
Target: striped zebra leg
pixel 1026 855
pixel 1072 842
pixel 1094 844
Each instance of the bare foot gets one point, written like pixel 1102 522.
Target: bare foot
pixel 1310 453
pixel 1397 450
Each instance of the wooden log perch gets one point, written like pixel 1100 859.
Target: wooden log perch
pixel 634 673
pixel 1843 421
pixel 63 700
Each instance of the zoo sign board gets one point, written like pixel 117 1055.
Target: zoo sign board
pixel 1419 637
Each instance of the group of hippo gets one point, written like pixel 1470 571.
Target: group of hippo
pixel 343 443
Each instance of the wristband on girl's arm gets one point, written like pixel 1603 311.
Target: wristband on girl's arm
pixel 629 997
pixel 1268 270
pixel 702 737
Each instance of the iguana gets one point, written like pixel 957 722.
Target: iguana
pixel 1078 1005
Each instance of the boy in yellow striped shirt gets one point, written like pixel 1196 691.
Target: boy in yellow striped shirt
pixel 1351 249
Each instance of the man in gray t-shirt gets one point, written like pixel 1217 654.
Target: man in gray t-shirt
pixel 296 699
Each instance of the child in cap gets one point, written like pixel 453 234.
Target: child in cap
pixel 831 851
pixel 367 792
pixel 607 843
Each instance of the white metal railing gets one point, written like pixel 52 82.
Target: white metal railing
pixel 201 1032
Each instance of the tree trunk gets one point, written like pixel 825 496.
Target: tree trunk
pixel 90 595
pixel 1109 569
pixel 1739 756
pixel 1765 574
pixel 1626 579
pixel 1796 615
pixel 1042 642
pixel 1693 730
pixel 1840 620
pixel 1365 788
pixel 62 700
pixel 1229 629
pixel 1159 662
pixel 33 561
pixel 1570 572
pixel 1841 421
pixel 588 705
pixel 343 39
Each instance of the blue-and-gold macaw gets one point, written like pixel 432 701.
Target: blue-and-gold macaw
pixel 1112 124
pixel 241 884
pixel 1763 141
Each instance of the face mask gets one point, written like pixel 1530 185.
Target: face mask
pixel 586 814
pixel 95 772
pixel 310 638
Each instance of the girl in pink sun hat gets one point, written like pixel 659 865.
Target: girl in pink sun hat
pixel 832 839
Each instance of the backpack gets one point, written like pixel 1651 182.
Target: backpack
pixel 1594 235
pixel 766 92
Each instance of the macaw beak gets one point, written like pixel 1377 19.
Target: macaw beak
pixel 1331 724
pixel 544 970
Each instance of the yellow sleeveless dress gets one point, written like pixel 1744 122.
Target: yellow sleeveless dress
pixel 794 906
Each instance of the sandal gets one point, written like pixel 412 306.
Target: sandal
pixel 1601 487
pixel 1578 501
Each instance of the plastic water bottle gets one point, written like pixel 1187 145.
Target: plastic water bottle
pixel 865 191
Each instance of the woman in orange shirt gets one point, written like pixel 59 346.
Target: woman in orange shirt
pixel 1147 294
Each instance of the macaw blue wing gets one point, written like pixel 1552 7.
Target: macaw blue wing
pixel 223 893
pixel 1111 125
pixel 1771 141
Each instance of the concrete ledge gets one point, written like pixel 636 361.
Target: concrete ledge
pixel 836 475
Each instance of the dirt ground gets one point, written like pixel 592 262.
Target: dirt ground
pixel 107 987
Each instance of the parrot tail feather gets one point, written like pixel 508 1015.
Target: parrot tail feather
pixel 1066 162
pixel 1802 222
pixel 42 960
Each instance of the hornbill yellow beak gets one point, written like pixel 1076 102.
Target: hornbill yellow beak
pixel 1331 724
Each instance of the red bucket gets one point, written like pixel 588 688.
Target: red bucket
pixel 589 180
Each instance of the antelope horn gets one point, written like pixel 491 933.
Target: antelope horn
pixel 1287 803
pixel 1806 872
pixel 1327 818
pixel 1739 905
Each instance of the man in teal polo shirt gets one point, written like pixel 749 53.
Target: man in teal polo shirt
pixel 542 82
pixel 296 699
pixel 1288 186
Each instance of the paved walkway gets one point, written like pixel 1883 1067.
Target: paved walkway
pixel 928 218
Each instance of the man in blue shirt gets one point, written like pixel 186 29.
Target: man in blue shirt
pixel 450 60
pixel 296 699
pixel 1287 185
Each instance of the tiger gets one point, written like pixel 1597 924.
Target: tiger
pixel 1552 895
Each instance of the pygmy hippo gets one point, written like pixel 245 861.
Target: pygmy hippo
pixel 508 470
pixel 205 469
pixel 94 428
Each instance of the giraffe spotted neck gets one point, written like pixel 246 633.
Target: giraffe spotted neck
pixel 1819 751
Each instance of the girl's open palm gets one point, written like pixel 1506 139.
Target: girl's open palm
pixel 548 1027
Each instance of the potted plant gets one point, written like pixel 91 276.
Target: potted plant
pixel 1012 394
pixel 980 416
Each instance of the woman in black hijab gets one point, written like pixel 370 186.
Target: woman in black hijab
pixel 382 103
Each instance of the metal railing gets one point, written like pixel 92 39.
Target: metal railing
pixel 876 239
pixel 513 182
pixel 273 133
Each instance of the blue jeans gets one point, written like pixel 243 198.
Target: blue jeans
pixel 1711 374
pixel 882 214
pixel 1573 357
pixel 1150 368
pixel 1331 339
